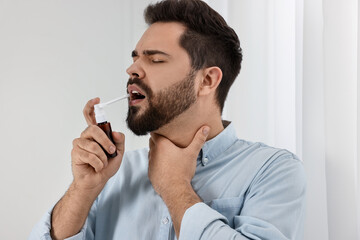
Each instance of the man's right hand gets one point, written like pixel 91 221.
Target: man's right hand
pixel 91 170
pixel 90 166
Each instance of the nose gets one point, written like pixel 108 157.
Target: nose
pixel 135 70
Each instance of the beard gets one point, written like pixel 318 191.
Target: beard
pixel 163 107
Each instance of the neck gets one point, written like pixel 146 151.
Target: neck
pixel 181 131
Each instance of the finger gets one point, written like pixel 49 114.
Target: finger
pixel 91 147
pixel 83 157
pixel 97 134
pixel 119 140
pixel 153 136
pixel 199 138
pixel 151 142
pixel 151 146
pixel 88 111
pixel 156 137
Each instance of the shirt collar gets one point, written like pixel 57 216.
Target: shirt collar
pixel 217 145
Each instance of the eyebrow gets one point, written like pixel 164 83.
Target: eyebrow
pixel 149 52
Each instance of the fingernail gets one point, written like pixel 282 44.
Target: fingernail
pixel 206 131
pixel 111 149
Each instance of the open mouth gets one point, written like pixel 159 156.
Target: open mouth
pixel 135 95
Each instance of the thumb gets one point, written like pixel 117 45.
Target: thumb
pixel 199 138
pixel 119 141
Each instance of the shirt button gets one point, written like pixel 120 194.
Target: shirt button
pixel 165 220
pixel 205 161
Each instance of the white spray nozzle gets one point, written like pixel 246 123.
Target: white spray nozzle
pixel 99 109
pixel 101 105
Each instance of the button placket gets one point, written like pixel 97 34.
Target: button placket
pixel 165 224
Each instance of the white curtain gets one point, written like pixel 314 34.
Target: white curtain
pixel 298 90
pixel 340 44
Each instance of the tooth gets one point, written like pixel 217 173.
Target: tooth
pixel 135 92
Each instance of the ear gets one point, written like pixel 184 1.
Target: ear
pixel 210 81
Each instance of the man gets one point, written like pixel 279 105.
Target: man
pixel 196 180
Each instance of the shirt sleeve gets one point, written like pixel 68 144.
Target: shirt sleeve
pixel 41 231
pixel 273 208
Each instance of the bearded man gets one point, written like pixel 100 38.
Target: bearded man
pixel 196 180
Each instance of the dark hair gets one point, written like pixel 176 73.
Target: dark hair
pixel 208 40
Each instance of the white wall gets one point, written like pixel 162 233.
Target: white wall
pixel 54 56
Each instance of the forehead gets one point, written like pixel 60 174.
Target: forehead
pixel 162 36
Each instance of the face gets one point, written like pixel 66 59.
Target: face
pixel 162 83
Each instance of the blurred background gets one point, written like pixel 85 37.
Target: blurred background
pixel 298 89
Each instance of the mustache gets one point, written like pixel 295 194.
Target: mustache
pixel 147 90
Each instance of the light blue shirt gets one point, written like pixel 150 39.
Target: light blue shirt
pixel 249 191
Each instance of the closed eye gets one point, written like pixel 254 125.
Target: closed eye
pixel 157 61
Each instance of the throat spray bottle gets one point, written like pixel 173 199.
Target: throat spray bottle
pixel 102 122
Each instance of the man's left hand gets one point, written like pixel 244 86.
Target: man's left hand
pixel 171 170
pixel 170 165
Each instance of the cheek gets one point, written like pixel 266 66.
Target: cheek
pixel 166 75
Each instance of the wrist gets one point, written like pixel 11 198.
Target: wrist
pixel 178 199
pixel 181 195
pixel 82 193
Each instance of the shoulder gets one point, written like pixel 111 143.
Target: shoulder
pixel 264 155
pixel 278 169
pixel 268 163
pixel 262 151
